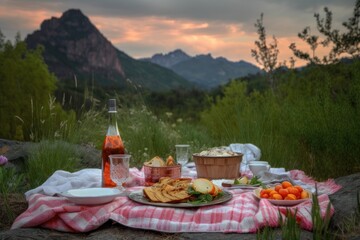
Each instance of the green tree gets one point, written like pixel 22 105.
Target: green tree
pixel 26 87
pixel 345 43
pixel 265 54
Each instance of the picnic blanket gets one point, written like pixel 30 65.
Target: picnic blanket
pixel 243 213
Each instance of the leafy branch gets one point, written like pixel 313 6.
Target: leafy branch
pixel 265 54
pixel 346 43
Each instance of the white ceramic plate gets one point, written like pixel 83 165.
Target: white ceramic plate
pixel 92 196
pixel 283 202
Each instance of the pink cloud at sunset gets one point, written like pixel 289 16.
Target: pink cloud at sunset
pixel 25 19
pixel 223 29
pixel 168 34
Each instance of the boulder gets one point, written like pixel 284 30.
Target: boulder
pixel 345 200
pixel 18 153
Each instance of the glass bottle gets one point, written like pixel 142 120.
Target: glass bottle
pixel 113 144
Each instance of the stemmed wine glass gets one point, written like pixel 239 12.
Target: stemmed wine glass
pixel 119 169
pixel 182 154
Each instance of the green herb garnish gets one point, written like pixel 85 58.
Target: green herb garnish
pixel 198 197
pixel 255 180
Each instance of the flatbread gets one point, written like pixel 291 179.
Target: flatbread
pixel 168 190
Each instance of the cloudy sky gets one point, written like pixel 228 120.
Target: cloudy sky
pixel 142 28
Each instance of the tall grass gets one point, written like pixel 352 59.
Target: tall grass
pixel 90 129
pixel 320 223
pixel 10 182
pixel 47 157
pixel 311 122
pixel 195 135
pixel 145 136
pixel 289 227
pixel 48 122
pixel 239 118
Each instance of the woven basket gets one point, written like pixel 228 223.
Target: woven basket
pixel 217 167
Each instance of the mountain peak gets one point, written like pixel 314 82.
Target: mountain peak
pixel 77 41
pixel 169 59
pixel 204 70
pixel 75 18
pixel 73 13
pixel 204 56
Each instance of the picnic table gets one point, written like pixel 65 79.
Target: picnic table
pixel 244 213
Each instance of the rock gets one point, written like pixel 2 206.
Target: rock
pixel 18 153
pixel 15 151
pixel 345 200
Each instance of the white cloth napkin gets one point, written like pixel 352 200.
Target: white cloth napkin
pixel 250 153
pixel 189 170
pixel 62 181
pixel 276 176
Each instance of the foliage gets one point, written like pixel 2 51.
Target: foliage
pixel 320 221
pixel 197 136
pixel 289 227
pixel 10 182
pixel 346 43
pixel 26 88
pixel 301 125
pixel 145 135
pixel 265 54
pixel 182 104
pixel 47 157
pixel 267 233
pixel 90 129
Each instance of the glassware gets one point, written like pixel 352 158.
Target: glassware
pixel 257 167
pixel 113 144
pixel 153 174
pixel 119 169
pixel 182 154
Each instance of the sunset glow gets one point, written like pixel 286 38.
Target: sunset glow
pixel 144 33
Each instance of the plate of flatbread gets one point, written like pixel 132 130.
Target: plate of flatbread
pixel 138 196
pixel 175 193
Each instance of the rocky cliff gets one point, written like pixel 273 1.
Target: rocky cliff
pixel 72 40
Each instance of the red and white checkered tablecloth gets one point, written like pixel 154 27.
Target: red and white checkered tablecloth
pixel 244 213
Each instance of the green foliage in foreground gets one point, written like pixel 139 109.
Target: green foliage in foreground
pixel 10 182
pixel 289 227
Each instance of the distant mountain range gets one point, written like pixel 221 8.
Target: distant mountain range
pixel 75 49
pixel 203 70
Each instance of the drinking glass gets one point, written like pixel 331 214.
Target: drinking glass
pixel 119 169
pixel 182 154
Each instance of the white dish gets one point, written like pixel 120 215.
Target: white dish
pixel 91 196
pixel 283 202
